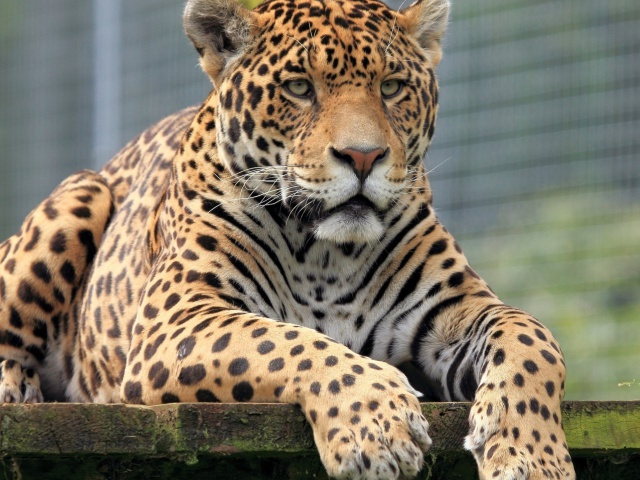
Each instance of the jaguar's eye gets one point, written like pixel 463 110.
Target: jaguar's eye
pixel 299 88
pixel 389 88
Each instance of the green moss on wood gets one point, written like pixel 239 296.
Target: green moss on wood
pixel 256 441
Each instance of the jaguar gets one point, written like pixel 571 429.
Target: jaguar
pixel 278 243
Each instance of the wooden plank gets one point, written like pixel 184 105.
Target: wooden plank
pixel 249 441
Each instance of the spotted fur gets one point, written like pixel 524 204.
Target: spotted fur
pixel 279 243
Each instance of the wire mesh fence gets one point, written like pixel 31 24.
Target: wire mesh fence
pixel 534 165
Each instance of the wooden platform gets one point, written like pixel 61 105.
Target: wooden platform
pixel 261 441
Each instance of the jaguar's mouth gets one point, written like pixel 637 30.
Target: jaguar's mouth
pixel 356 206
pixel 355 220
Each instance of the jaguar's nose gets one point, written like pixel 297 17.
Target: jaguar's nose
pixel 361 161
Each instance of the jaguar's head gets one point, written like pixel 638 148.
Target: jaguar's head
pixel 324 106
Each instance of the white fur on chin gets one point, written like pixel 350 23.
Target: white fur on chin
pixel 342 227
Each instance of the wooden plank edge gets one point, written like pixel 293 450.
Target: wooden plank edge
pixel 214 429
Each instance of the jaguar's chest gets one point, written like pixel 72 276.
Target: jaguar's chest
pixel 344 291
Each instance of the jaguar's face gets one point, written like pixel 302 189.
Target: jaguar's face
pixel 329 111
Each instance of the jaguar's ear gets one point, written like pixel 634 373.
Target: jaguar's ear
pixel 426 21
pixel 219 30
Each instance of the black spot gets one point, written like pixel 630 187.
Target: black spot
pixel 258 332
pixel 35 237
pixel 207 242
pixel 204 395
pixel 448 263
pixel 518 380
pixel 491 451
pixel 170 398
pixel 212 280
pixel 234 130
pixel 315 388
pixel 525 339
pixel 549 357
pixel 248 125
pixel 498 358
pixel 185 347
pixel 37 353
pixel 332 433
pixel 297 350
pixel 256 97
pixel 456 279
pixel 41 271
pixel 238 366
pixel 58 242
pixel 521 407
pixel 262 144
pixel 150 311
pixel 334 387
pixel 266 347
pixel 348 380
pixel 530 366
pixel 67 272
pixel 81 212
pixel 366 460
pixel 192 276
pixel 202 325
pixel 171 301
pixel 15 319
pixel 40 329
pixel 86 238
pixel 291 335
pixel 541 335
pixel 320 345
pixel 534 405
pixel 331 361
pixel 221 343
pixel 159 375
pixel 192 375
pixel 27 294
pixel 133 391
pixel 276 364
pixel 550 387
pixel 438 247
pixel 305 365
pixel 544 412
pixel 189 255
pixel 242 392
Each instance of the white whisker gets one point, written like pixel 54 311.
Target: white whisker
pixel 439 165
pixel 298 42
pixel 392 37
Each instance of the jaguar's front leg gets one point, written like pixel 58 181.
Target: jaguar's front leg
pixel 515 420
pixel 365 417
pixel 42 272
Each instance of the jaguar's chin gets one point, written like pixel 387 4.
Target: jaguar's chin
pixel 356 220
